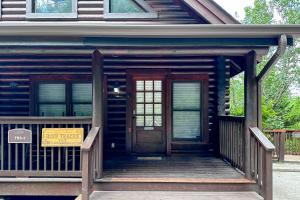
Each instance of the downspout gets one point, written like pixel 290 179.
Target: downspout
pixel 282 45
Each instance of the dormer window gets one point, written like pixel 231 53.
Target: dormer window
pixel 51 9
pixel 124 9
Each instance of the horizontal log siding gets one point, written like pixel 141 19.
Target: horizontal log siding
pixel 15 101
pixel 92 10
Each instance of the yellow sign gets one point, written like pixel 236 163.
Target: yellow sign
pixel 62 137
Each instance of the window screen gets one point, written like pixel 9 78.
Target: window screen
pixel 187 110
pixel 52 99
pixel 82 99
pixel 125 6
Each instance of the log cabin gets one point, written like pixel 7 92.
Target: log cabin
pixel 146 83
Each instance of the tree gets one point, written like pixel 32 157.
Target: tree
pixel 278 100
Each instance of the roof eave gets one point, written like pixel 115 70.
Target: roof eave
pixel 95 29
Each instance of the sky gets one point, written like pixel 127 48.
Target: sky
pixel 235 6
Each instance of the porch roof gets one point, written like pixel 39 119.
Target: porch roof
pixel 137 30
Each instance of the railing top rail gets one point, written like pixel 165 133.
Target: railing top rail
pixel 45 120
pixel 231 117
pixel 262 139
pixel 281 131
pixel 89 140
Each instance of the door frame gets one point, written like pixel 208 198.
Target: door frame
pixel 146 74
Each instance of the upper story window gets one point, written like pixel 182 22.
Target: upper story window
pixel 124 9
pixel 51 9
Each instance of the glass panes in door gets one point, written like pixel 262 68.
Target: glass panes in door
pixel 148 106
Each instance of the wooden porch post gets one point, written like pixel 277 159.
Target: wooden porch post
pixel 250 105
pixel 221 88
pixel 97 70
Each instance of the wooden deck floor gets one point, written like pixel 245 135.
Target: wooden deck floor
pixel 171 168
pixel 147 195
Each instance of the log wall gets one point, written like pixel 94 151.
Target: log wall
pixel 15 74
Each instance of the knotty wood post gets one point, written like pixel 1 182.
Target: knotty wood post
pixel 267 187
pixel 221 88
pixel 281 146
pixel 97 70
pixel 250 106
pixel 85 176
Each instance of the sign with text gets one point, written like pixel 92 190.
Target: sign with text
pixel 62 137
pixel 19 135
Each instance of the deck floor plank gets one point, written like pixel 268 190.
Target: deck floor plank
pixel 170 167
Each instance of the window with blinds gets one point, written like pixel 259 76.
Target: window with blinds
pixel 52 99
pixel 186 110
pixel 64 99
pixel 82 99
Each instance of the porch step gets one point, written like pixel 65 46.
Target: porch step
pixel 168 195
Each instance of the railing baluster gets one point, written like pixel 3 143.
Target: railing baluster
pixel 16 158
pixel 23 153
pixel 9 152
pixel 30 150
pixel 38 147
pixel 2 147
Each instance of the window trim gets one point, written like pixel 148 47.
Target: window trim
pixel 200 110
pixel 41 16
pixel 203 78
pixel 0 9
pixel 149 14
pixel 66 79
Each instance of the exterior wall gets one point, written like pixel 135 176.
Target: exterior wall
pixel 169 11
pixel 16 72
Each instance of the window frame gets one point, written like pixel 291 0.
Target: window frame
pixel 38 103
pixel 149 14
pixel 68 80
pixel 203 79
pixel 31 15
pixel 186 110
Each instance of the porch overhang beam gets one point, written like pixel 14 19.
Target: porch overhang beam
pixel 100 29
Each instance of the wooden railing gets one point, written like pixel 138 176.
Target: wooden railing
pixel 32 160
pixel 261 162
pixel 286 142
pixel 91 161
pixel 231 140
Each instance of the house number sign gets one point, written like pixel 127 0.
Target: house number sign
pixel 19 135
pixel 62 137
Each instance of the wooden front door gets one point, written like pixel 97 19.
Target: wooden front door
pixel 148 115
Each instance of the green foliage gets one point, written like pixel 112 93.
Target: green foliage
pixel 261 13
pixel 281 109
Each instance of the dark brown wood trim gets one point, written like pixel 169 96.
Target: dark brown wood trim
pixel 128 113
pixel 203 77
pixel 64 78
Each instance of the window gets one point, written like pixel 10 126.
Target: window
pixel 186 110
pixel 64 99
pixel 118 9
pixel 149 103
pixel 51 9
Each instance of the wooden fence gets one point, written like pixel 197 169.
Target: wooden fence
pixel 287 142
pixel 28 160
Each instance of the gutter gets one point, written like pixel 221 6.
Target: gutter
pixel 99 29
pixel 282 45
